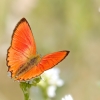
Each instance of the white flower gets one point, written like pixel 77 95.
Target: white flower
pixel 67 97
pixel 51 91
pixel 53 77
pixel 50 81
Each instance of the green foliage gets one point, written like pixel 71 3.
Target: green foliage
pixel 25 86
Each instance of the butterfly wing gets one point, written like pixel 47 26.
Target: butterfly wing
pixel 46 63
pixel 22 46
pixel 49 61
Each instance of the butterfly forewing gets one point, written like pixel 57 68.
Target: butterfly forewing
pixel 22 40
pixel 51 60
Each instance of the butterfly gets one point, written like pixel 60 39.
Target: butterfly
pixel 22 60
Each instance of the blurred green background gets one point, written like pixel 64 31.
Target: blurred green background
pixel 72 25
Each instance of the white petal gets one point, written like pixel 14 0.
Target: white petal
pixel 51 91
pixel 67 97
pixel 60 82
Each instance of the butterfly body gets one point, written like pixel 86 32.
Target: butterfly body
pixel 31 62
pixel 22 60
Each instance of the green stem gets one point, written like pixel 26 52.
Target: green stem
pixel 25 88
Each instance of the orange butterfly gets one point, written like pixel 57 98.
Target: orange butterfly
pixel 22 60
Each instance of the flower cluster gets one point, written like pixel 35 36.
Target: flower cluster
pixel 51 81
